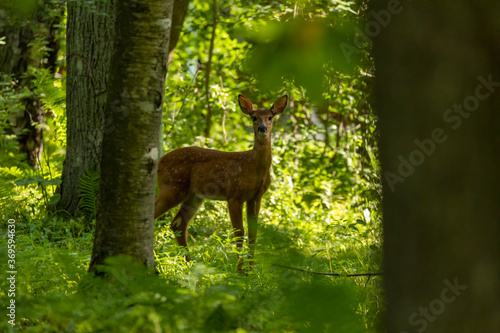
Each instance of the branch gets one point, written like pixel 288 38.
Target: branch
pixel 329 274
pixel 207 73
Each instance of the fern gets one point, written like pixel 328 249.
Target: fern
pixel 50 91
pixel 88 192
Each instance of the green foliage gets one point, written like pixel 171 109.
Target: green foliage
pixel 88 192
pixel 299 50
pixel 322 212
pixel 20 9
pixel 50 91
pixel 24 191
pixel 54 292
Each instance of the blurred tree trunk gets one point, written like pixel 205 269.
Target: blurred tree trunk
pixel 89 46
pixel 90 35
pixel 25 32
pixel 125 222
pixel 178 16
pixel 438 95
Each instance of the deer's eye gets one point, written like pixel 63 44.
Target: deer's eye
pixel 270 117
pixel 254 118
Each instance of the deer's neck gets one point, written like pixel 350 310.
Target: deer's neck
pixel 262 152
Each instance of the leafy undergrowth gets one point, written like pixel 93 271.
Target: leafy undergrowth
pixel 54 292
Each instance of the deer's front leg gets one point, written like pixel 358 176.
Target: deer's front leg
pixel 236 214
pixel 253 207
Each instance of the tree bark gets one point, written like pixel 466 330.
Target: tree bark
pixel 89 44
pixel 125 222
pixel 438 92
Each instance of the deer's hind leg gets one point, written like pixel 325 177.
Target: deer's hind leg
pixel 181 220
pixel 168 198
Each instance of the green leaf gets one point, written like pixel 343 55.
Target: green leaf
pixel 54 199
pixel 358 221
pixel 54 181
pixel 29 181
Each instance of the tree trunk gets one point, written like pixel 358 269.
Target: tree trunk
pixel 89 44
pixel 178 16
pixel 438 92
pixel 125 222
pixel 17 56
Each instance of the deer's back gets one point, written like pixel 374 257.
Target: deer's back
pixel 211 173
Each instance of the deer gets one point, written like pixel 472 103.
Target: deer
pixel 189 175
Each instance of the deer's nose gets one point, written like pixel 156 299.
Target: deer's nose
pixel 262 129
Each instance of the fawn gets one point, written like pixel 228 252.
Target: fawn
pixel 189 175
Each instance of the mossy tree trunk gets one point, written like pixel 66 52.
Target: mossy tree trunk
pixel 133 111
pixel 438 96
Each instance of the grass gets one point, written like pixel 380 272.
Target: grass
pixel 55 293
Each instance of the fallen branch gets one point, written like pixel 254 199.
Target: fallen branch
pixel 329 274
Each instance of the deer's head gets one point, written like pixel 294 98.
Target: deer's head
pixel 262 118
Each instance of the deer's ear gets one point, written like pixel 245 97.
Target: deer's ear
pixel 279 105
pixel 245 105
